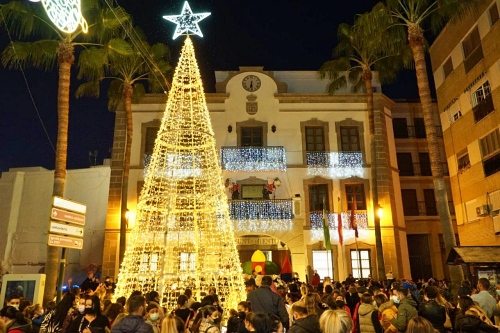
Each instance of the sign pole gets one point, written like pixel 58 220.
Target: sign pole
pixel 62 272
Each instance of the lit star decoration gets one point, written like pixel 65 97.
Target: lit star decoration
pixel 65 14
pixel 187 21
pixel 253 159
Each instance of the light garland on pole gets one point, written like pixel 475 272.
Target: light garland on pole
pixel 335 164
pixel 65 14
pixel 183 236
pixel 250 159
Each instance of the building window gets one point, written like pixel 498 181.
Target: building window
pixel 361 264
pixel 400 128
pixel 405 164
pixel 349 138
pixel 481 93
pixel 473 52
pixel 448 67
pixel 493 12
pixel 463 160
pixel 187 261
pixel 149 262
pixel 315 138
pixel 151 133
pixel 425 164
pixel 419 128
pixel 482 102
pixel 490 147
pixel 355 192
pixel 430 202
pixel 457 115
pixel 251 137
pixel 316 195
pixel 410 202
pixel 322 262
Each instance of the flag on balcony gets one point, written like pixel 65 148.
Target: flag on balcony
pixel 354 225
pixel 339 225
pixel 326 229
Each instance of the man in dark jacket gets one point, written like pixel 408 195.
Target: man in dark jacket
pixel 134 322
pixel 265 300
pixel 406 309
pixel 303 323
pixel 431 310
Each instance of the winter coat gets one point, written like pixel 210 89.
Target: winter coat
pixel 132 324
pixel 406 311
pixel 435 313
pixel 15 327
pixel 472 324
pixel 207 326
pixel 265 300
pixel 388 311
pixel 368 319
pixel 309 324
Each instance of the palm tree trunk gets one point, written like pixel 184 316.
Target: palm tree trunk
pixel 367 78
pixel 65 60
pixel 127 101
pixel 416 41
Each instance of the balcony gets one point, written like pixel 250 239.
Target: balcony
pixel 253 158
pixel 316 219
pixel 261 215
pixel 420 169
pixel 483 108
pixel 423 210
pixel 414 132
pixel 341 164
pixel 473 58
pixel 491 165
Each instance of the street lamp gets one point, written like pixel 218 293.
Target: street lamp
pixel 380 212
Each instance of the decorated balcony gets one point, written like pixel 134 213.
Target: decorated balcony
pixel 261 215
pixel 340 164
pixel 316 220
pixel 253 158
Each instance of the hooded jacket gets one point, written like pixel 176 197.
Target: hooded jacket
pixel 368 319
pixel 132 324
pixel 16 327
pixel 406 311
pixel 309 324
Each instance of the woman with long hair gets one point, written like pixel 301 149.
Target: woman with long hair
pixel 335 321
pixel 471 319
pixel 53 321
pixel 259 322
pixel 182 310
pixel 207 321
pixel 172 324
pixel 92 321
pixel 14 320
pixel 420 325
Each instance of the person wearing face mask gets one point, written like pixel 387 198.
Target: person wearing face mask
pixel 35 314
pixel 153 316
pixel 134 322
pixel 92 321
pixel 14 320
pixel 13 300
pixel 76 311
pixel 406 309
pixel 244 307
pixel 54 320
pixel 207 321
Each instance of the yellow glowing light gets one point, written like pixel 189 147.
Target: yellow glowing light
pixel 183 236
pixel 380 212
pixel 65 14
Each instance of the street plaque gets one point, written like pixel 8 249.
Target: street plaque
pixel 69 205
pixel 64 241
pixel 63 215
pixel 65 229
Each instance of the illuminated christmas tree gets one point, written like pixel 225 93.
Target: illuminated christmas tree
pixel 183 236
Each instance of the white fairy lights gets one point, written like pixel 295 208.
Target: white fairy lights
pixel 360 216
pixel 183 236
pixel 186 21
pixel 261 209
pixel 65 14
pixel 253 158
pixel 341 164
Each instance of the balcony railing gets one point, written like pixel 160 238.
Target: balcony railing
pixel 420 169
pixel 316 219
pixel 422 210
pixel 415 132
pixel 483 108
pixel 473 58
pixel 340 164
pixel 277 209
pixel 253 158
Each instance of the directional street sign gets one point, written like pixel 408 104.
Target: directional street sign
pixel 63 241
pixel 62 215
pixel 69 205
pixel 65 229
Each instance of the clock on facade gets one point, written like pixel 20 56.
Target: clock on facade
pixel 251 83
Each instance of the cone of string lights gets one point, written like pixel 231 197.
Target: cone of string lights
pixel 183 236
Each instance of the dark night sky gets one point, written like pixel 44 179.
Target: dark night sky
pixel 276 34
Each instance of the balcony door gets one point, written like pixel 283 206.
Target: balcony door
pixel 316 195
pixel 252 137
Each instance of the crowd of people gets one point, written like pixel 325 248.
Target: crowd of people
pixel 271 306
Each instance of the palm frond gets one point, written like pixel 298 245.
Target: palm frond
pixel 24 19
pixel 40 54
pixel 337 84
pixel 120 46
pixel 115 94
pixel 139 92
pixel 91 63
pixel 88 89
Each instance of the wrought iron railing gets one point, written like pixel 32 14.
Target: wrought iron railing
pixel 253 158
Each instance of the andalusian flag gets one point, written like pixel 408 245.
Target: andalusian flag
pixel 326 229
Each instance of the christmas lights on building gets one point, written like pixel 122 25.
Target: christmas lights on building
pixel 183 236
pixel 335 164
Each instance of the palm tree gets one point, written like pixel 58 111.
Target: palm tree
pixel 126 72
pixel 415 16
pixel 358 53
pixel 50 47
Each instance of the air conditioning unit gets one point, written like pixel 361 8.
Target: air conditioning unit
pixel 482 210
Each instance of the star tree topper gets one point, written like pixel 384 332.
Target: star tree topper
pixel 186 21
